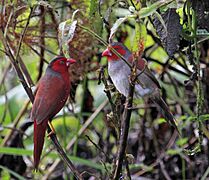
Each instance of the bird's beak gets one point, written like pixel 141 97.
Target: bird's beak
pixel 70 61
pixel 107 53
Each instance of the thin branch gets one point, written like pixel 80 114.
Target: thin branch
pixel 124 131
pixel 35 51
pixel 169 66
pixel 99 148
pixel 22 65
pixel 165 173
pixel 16 66
pixel 161 155
pixel 15 123
pixel 6 70
pixel 64 155
pixel 127 169
pixel 72 142
pixel 23 34
pixel 107 91
pixel 26 73
pixel 132 3
pixel 100 13
pixel 48 50
pixel 42 42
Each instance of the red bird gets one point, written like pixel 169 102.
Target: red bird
pixel 147 84
pixel 52 93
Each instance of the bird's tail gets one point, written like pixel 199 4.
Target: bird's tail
pixel 165 111
pixel 38 138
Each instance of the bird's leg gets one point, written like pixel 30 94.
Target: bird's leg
pixel 52 129
pixel 109 87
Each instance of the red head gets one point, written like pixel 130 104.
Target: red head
pixel 120 48
pixel 61 64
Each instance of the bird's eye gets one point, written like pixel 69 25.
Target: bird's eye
pixel 62 62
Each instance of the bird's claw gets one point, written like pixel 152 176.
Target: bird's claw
pixel 50 133
pixel 52 129
pixel 109 88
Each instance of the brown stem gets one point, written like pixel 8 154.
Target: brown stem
pixel 16 66
pixel 107 91
pixel 64 155
pixel 23 34
pixel 42 42
pixel 35 51
pixel 72 142
pixel 26 73
pixel 124 132
pixel 15 122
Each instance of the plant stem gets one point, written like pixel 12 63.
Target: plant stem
pixel 124 130
pixel 199 83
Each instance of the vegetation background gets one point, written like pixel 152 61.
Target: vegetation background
pixel 173 37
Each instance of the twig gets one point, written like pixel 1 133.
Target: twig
pixel 23 34
pixel 22 65
pixel 162 154
pixel 48 50
pixel 205 175
pixel 99 148
pixel 15 123
pixel 80 132
pixel 14 129
pixel 42 41
pixel 26 73
pixel 132 3
pixel 165 173
pixel 127 169
pixel 64 156
pixel 108 94
pixel 124 131
pixel 5 73
pixel 56 24
pixel 100 14
pixel 35 51
pixel 15 65
pixel 169 66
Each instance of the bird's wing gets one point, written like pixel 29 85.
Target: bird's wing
pixel 49 99
pixel 141 65
pixel 152 77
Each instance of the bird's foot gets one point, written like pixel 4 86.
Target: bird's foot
pixel 52 129
pixel 127 106
pixel 109 88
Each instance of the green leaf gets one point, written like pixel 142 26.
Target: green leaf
pixel 182 141
pixel 142 166
pixel 116 26
pixel 160 121
pixel 135 47
pixel 15 151
pixel 13 173
pixel 93 8
pixel 147 11
pixel 121 12
pixel 173 151
pixel 24 152
pixel 140 37
pixel 204 117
